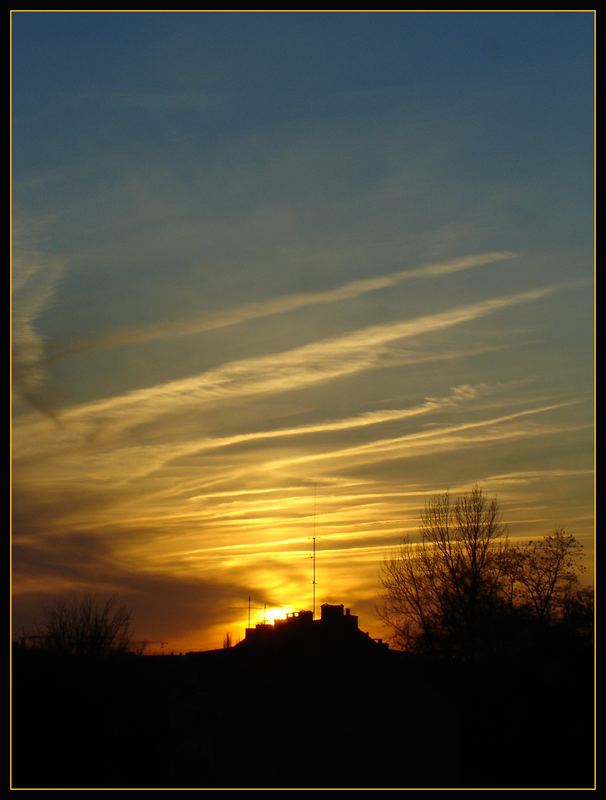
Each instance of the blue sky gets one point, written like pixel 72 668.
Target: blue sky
pixel 254 253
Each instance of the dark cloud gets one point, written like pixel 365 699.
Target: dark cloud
pixel 164 606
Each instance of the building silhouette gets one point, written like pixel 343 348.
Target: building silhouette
pixel 337 629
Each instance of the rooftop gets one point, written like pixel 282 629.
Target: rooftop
pixel 336 628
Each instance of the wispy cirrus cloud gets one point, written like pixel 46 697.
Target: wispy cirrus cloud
pixel 149 458
pixel 297 368
pixel 444 437
pixel 34 281
pixel 461 393
pixel 140 334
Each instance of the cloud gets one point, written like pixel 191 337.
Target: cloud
pixel 34 281
pixel 124 464
pixel 289 370
pixel 60 567
pixel 265 308
pixel 435 440
pixel 530 476
pixel 150 458
pixel 378 417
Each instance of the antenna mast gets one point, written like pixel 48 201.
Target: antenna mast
pixel 314 578
pixel 313 582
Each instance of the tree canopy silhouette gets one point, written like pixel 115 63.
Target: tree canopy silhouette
pixel 85 626
pixel 546 572
pixel 438 591
pixel 462 589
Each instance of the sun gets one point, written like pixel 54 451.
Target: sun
pixel 270 615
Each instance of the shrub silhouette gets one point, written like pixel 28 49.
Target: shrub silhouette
pixel 85 626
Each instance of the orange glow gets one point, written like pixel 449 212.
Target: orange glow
pixel 272 614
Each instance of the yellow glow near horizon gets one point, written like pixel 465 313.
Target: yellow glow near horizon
pixel 288 332
pixel 199 492
pixel 270 615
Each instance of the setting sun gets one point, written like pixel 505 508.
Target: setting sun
pixel 272 614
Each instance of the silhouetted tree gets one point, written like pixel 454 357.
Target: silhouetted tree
pixel 546 573
pixel 578 615
pixel 440 593
pixel 463 592
pixel 86 626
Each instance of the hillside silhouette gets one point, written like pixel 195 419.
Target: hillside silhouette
pixel 306 703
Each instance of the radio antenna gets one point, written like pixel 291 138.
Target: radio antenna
pixel 313 582
pixel 313 558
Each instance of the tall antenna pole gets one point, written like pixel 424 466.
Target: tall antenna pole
pixel 249 611
pixel 314 579
pixel 314 559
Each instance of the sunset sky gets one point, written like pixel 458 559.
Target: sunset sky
pixel 278 275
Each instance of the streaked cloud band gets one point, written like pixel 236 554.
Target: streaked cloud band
pixel 140 334
pixel 296 368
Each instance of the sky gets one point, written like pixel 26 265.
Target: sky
pixel 285 275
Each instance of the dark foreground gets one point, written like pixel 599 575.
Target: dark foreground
pixel 238 718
